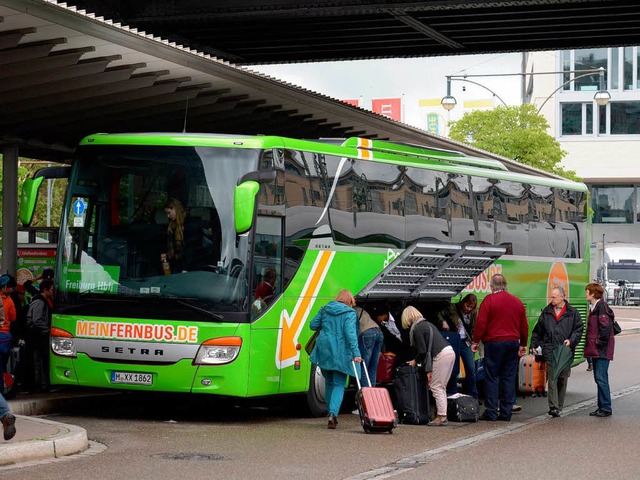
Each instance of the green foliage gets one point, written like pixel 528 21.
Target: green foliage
pixel 516 132
pixel 26 169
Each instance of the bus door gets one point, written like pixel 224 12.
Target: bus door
pixel 267 305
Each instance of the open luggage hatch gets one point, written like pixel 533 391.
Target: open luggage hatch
pixel 432 270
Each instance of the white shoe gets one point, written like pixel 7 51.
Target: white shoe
pixel 356 412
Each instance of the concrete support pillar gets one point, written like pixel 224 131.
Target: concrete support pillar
pixel 9 209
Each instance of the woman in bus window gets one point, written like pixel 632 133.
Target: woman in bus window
pixel 173 260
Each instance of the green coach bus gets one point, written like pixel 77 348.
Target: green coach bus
pixel 391 222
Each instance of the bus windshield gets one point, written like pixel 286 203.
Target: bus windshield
pixel 628 272
pixel 154 225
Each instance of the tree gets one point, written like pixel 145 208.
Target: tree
pixel 26 169
pixel 519 133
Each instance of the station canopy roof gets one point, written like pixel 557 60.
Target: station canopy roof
pixel 65 74
pixel 280 31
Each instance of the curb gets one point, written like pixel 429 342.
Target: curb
pixel 68 440
pixel 630 331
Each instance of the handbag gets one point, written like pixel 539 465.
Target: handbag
pixel 311 342
pixel 386 366
pixel 616 327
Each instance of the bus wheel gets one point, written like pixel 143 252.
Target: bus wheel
pixel 315 395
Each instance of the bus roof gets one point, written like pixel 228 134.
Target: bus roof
pixel 354 147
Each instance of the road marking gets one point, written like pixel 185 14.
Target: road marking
pixel 408 463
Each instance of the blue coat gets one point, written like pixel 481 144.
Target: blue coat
pixel 337 342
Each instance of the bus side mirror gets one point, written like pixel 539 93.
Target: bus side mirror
pixel 28 199
pixel 244 204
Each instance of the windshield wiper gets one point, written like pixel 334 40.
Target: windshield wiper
pixel 215 316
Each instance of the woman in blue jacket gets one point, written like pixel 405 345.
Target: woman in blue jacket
pixel 336 347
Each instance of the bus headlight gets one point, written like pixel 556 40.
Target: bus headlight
pixel 62 343
pixel 218 351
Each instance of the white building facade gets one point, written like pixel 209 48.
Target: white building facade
pixel 602 142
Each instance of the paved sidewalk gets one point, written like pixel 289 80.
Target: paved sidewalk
pixel 38 438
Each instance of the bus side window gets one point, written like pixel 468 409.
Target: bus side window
pixel 267 274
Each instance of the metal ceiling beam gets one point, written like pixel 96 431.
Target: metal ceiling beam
pixel 11 38
pixel 29 51
pixel 160 93
pixel 137 81
pixel 55 60
pixel 91 67
pixel 72 85
pixel 417 25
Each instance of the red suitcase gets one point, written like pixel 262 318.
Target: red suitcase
pixel 374 405
pixel 386 366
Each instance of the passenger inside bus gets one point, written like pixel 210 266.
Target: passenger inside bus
pixel 192 240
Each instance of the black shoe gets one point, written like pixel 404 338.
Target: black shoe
pixel 594 413
pixel 333 422
pixel 554 412
pixel 602 413
pixel 486 419
pixel 9 425
pixel 504 419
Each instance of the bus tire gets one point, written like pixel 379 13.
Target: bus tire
pixel 315 395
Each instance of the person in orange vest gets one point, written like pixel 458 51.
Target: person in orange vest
pixel 9 316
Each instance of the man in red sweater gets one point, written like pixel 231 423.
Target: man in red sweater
pixel 503 329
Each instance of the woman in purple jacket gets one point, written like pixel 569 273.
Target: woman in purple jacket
pixel 600 345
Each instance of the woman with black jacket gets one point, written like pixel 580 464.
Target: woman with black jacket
pixel 435 355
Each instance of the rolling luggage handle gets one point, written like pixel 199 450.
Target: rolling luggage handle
pixel 364 367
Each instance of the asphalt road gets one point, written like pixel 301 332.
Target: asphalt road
pixel 169 437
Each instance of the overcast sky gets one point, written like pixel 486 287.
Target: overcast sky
pixel 412 79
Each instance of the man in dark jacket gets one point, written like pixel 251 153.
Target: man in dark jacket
pixel 39 325
pixel 559 323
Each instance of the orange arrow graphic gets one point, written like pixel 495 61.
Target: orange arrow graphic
pixel 291 325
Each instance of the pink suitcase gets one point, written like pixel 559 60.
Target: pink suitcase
pixel 375 407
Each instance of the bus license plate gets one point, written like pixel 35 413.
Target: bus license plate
pixel 132 378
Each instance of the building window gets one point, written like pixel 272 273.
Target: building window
pixel 589 119
pixel 589 59
pixel 571 118
pixel 625 118
pixel 613 203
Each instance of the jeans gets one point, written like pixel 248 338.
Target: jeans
pixel 370 345
pixel 469 385
pixel 601 376
pixel 4 406
pixel 334 383
pixel 501 366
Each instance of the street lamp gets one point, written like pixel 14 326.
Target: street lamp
pixel 601 97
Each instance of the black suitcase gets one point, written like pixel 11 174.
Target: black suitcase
pixel 412 397
pixel 463 408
